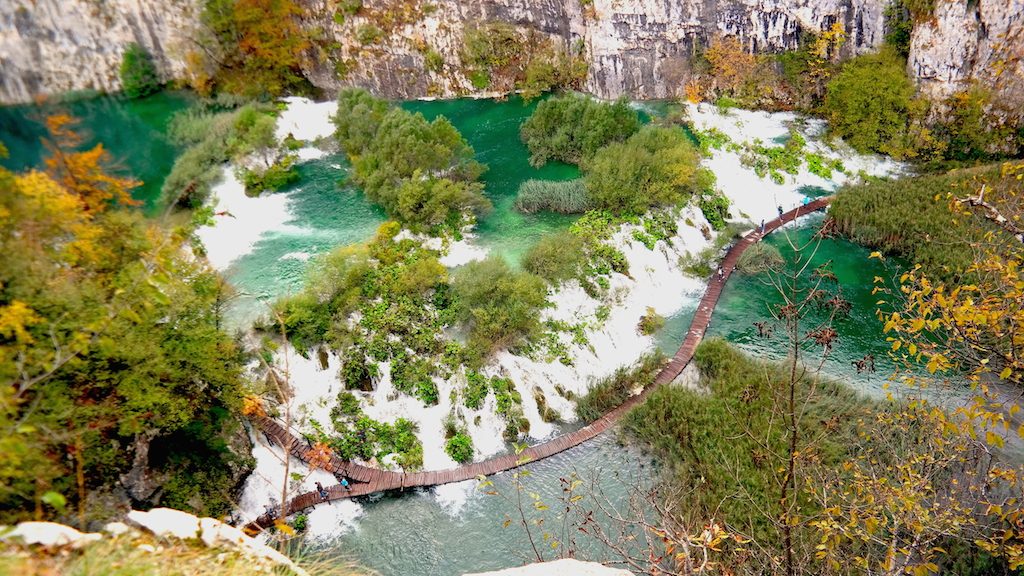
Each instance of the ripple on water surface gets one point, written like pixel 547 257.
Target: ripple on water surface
pixel 413 534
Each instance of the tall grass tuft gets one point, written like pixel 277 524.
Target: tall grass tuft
pixel 911 218
pixel 564 196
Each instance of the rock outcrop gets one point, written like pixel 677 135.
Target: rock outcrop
pixel 54 46
pixel 980 40
pixel 165 525
pixel 639 48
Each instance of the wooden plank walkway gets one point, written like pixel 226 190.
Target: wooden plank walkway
pixel 364 480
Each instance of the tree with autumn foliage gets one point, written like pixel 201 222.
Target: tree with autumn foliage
pixel 254 47
pixel 115 378
pixel 927 477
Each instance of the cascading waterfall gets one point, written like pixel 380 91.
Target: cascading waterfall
pixel 656 280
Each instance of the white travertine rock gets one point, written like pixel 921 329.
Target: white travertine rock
pixel 48 534
pixel 167 522
pixel 117 528
pixel 563 567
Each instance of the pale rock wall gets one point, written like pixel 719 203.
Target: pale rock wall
pixel 54 46
pixel 637 48
pixel 964 41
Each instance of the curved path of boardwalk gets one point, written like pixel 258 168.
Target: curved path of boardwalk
pixel 365 480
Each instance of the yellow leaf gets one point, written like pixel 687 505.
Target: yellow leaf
pixel 875 255
pixel 1005 373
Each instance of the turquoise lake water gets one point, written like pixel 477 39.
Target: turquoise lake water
pixel 411 534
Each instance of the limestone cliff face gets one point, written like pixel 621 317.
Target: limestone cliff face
pixel 980 39
pixel 53 46
pixel 638 48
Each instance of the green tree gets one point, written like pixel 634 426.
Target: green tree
pixel 110 344
pixel 423 173
pixel 654 167
pixel 257 47
pixel 573 128
pixel 869 103
pixel 500 307
pixel 138 73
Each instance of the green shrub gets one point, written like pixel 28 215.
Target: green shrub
pixel 433 61
pixel 869 103
pixel 556 257
pixel 715 208
pixel 758 258
pixel 654 167
pixel 650 322
pixel 562 196
pixel 610 392
pixel 397 157
pixel 138 73
pixel 491 46
pixel 368 34
pixel 460 448
pixel 214 136
pixel 277 176
pixel 572 128
pixel 500 307
pixel 475 392
pixel 547 413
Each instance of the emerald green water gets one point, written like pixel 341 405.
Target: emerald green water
pixel 746 299
pixel 133 131
pixel 492 128
pixel 413 534
pixel 322 213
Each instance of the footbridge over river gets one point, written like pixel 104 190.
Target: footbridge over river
pixel 364 480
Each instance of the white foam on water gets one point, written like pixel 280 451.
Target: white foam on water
pixel 305 119
pixel 310 153
pixel 239 220
pixel 754 198
pixel 453 497
pixel 301 256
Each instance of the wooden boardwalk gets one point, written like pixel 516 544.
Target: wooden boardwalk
pixel 364 480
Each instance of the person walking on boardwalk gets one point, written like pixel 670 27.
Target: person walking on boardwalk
pixel 721 274
pixel 320 489
pixel 344 484
pixel 762 226
pixel 780 211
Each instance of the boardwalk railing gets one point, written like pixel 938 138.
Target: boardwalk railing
pixel 365 480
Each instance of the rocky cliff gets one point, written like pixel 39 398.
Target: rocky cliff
pixel 640 48
pixel 980 39
pixel 53 46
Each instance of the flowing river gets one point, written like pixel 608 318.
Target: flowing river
pixel 455 529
